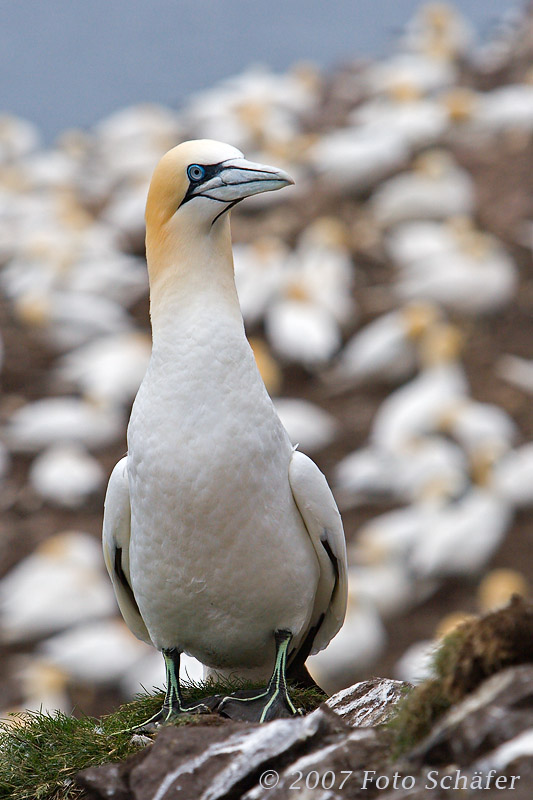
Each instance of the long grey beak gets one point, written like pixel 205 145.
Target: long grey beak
pixel 240 178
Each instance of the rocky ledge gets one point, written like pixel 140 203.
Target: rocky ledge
pixel 468 729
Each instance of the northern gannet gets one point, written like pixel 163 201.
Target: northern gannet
pixel 435 188
pixel 220 539
pixel 66 474
pixel 498 587
pixel 50 420
pixel 62 583
pixel 311 426
pixel 107 370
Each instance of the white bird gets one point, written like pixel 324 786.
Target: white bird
pixel 484 430
pixel 388 586
pixel 419 242
pixel 517 371
pixel 463 537
pixel 60 584
pixel 417 407
pixel 51 420
pixel 94 652
pixel 417 73
pixel 505 108
pixel 69 319
pixel 385 349
pixel 416 663
pixel 418 122
pixel 512 476
pixel 301 331
pixel 303 323
pixel 18 137
pixel 436 188
pixel 309 426
pixel 108 370
pixel 259 269
pixel 476 277
pixel 221 541
pixel 395 534
pixel 65 474
pixel 440 30
pixel 367 474
pixel 43 686
pixel 427 466
pixel 356 158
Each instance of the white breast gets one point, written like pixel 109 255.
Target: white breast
pixel 220 557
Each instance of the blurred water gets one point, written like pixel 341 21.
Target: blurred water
pixel 69 63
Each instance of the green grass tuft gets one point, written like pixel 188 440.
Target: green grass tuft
pixel 41 752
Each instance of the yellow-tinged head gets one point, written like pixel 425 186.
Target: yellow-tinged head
pixel 192 188
pixel 203 179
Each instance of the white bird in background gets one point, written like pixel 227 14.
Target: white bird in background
pixel 385 349
pixel 66 475
pixel 18 137
pixel 516 371
pixel 303 323
pixel 463 537
pixel 43 686
pixel 259 270
pixel 94 652
pixel 108 370
pixel 438 29
pixel 426 466
pixel 436 188
pixel 60 584
pixel 417 73
pixel 356 158
pixel 417 407
pixel 221 541
pixel 512 476
pixel 476 276
pixel 309 426
pixel 50 420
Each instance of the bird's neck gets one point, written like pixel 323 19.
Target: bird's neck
pixel 190 270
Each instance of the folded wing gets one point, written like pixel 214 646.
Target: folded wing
pixel 116 544
pixel 321 517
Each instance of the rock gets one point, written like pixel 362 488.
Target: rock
pixel 109 780
pixel 497 712
pixel 213 761
pixel 368 702
pixel 332 771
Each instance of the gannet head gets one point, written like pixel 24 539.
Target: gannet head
pixel 201 179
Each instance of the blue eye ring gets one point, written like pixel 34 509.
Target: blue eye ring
pixel 195 173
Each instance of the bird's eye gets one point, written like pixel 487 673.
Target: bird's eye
pixel 195 172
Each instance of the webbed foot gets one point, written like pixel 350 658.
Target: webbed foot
pixel 271 703
pixel 169 713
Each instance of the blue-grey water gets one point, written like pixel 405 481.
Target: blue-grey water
pixel 67 63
